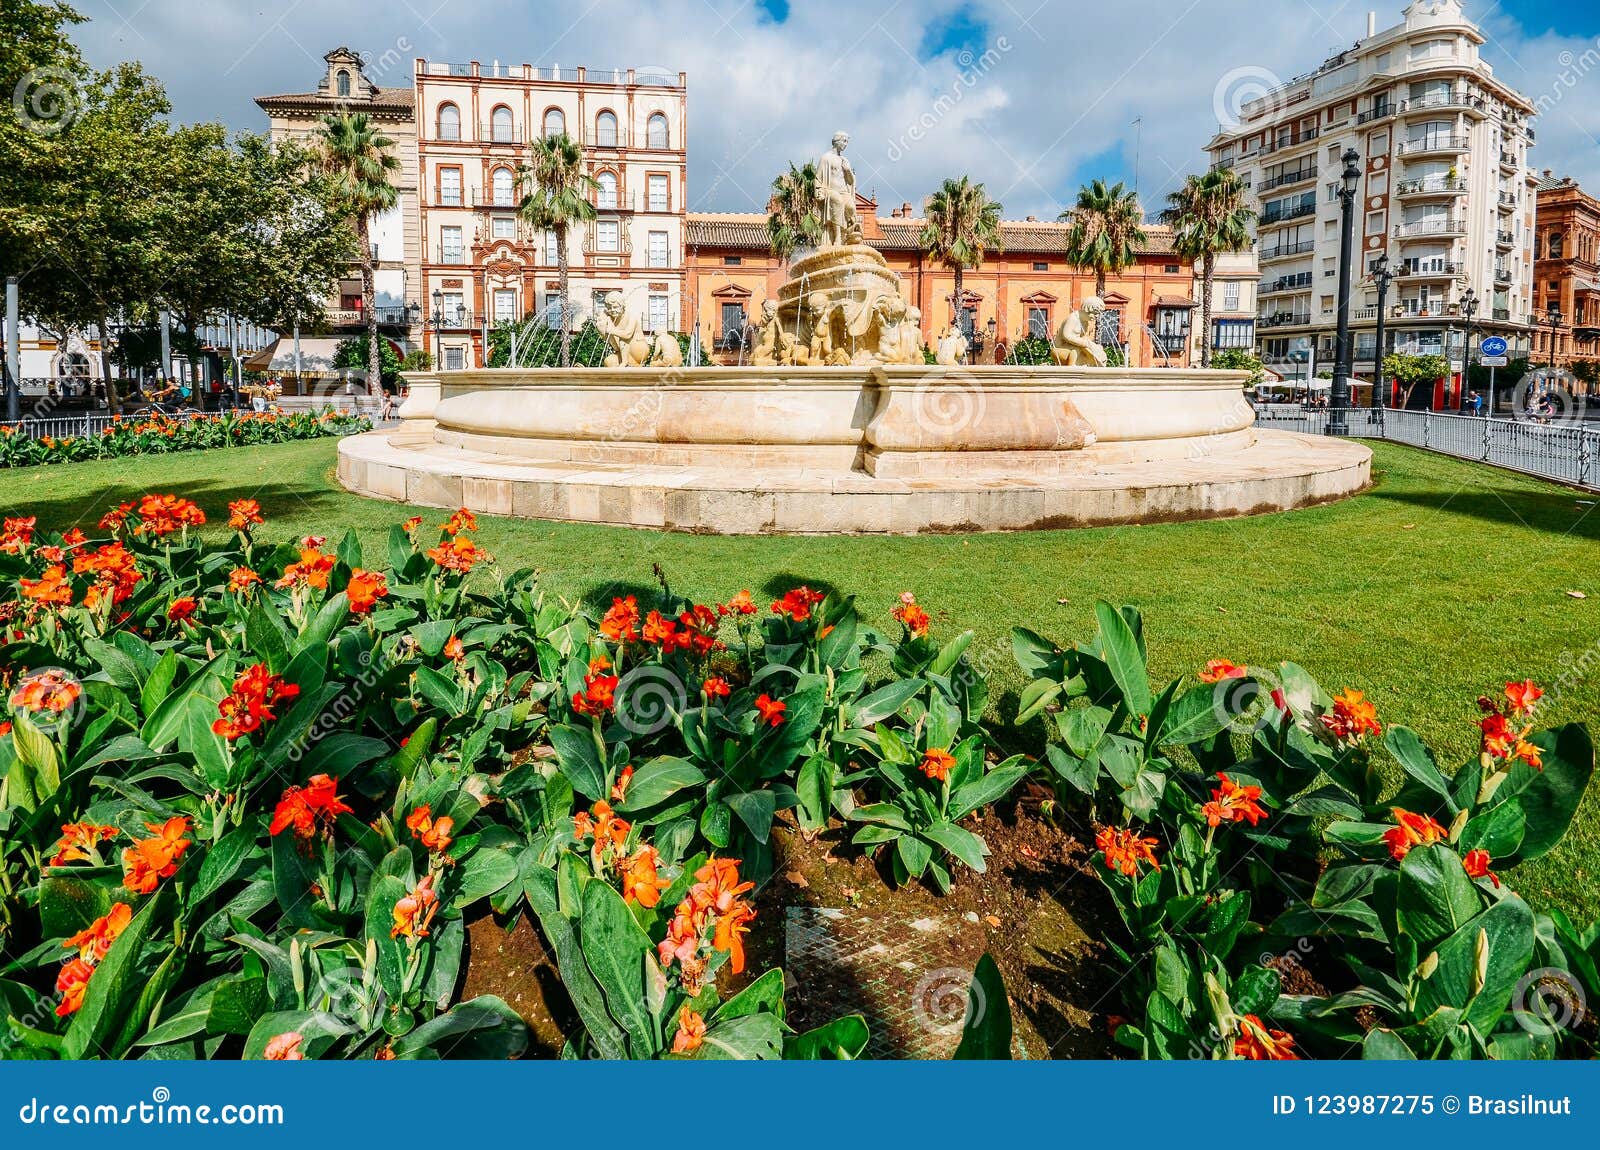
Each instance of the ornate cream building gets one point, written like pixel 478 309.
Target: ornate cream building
pixel 480 263
pixel 1446 193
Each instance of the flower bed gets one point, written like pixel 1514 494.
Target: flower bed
pixel 252 795
pixel 160 434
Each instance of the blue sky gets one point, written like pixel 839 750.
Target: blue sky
pixel 1032 97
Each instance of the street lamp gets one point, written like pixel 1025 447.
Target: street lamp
pixel 438 324
pixel 1553 318
pixel 1469 308
pixel 1383 277
pixel 1339 397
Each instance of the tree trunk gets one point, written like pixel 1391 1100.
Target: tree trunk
pixel 113 400
pixel 192 324
pixel 1100 283
pixel 369 306
pixel 1207 270
pixel 561 278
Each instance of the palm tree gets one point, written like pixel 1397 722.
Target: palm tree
pixel 792 212
pixel 557 197
pixel 960 223
pixel 361 160
pixel 1209 216
pixel 1107 227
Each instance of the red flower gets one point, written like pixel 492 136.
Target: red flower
pixel 71 984
pixel 1218 669
pixel 1352 716
pixel 244 514
pixel 912 617
pixel 305 808
pixel 241 579
pixel 1258 1043
pixel 51 589
pixel 771 709
pixel 691 1032
pixel 80 843
pixel 1523 696
pixel 459 556
pixel 150 860
pixel 414 912
pixel 619 789
pixel 1124 850
pixel 620 624
pixel 50 690
pixel 716 687
pixel 453 650
pixel 462 520
pixel 182 609
pixel 164 514
pixel 599 689
pixel 285 1047
pixel 740 604
pixel 94 941
pixel 364 590
pixel 432 833
pixel 255 693
pixel 1477 864
pixel 1233 803
pixel 311 571
pixel 937 763
pixel 1412 830
pixel 797 604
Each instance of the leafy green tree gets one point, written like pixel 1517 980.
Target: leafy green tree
pixel 557 189
pixel 961 223
pixel 792 220
pixel 1107 227
pixel 354 353
pixel 1237 359
pixel 1413 371
pixel 1209 216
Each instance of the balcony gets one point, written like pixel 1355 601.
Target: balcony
pixel 1502 314
pixel 1297 282
pixel 505 202
pixel 1288 140
pixel 1508 160
pixel 1171 343
pixel 1435 145
pixel 1376 112
pixel 1284 251
pixel 453 319
pixel 1506 201
pixel 1285 179
pixel 500 134
pixel 352 317
pixel 451 255
pixel 1277 215
pixel 1284 319
pixel 1418 189
pixel 1451 226
pixel 1431 270
pixel 1502 277
pixel 1462 99
pixel 1504 239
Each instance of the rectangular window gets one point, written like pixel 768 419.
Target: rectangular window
pixel 732 324
pixel 606 236
pixel 504 228
pixel 1038 323
pixel 450 187
pixel 552 249
pixel 1230 296
pixel 552 309
pixel 1375 223
pixel 453 309
pixel 658 193
pixel 505 306
pixel 1232 333
pixel 656 317
pixel 732 261
pixel 450 249
pixel 455 358
pixel 658 250
pixel 1041 266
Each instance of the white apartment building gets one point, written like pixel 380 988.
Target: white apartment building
pixel 1446 193
pixel 481 264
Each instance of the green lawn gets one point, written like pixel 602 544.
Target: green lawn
pixel 1444 581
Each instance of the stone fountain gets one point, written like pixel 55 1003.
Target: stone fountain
pixel 838 425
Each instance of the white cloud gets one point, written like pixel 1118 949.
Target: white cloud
pixel 1047 107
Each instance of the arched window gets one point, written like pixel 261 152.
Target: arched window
pixel 504 188
pixel 555 123
pixel 342 82
pixel 500 125
pixel 1554 245
pixel 605 195
pixel 605 130
pixel 449 122
pixel 655 134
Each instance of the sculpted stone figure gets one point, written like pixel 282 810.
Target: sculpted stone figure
pixel 911 346
pixel 773 346
pixel 1077 342
pixel 952 346
pixel 630 344
pixel 888 316
pixel 836 196
pixel 822 351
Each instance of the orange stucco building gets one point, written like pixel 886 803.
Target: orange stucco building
pixel 1026 287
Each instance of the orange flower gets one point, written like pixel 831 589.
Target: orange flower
pixel 740 604
pixel 71 984
pixel 1498 737
pixel 244 514
pixel 165 514
pixel 411 524
pixel 937 763
pixel 1352 716
pixel 304 808
pixel 182 609
pixel 1124 850
pixel 312 570
pixel 150 860
pixel 620 624
pixel 699 633
pixel 364 590
pixel 50 690
pixel 662 632
pixel 1477 864
pixel 771 709
pixel 797 604
pixel 285 1047
pixel 1523 696
pixel 641 880
pixel 912 617
pixel 1258 1043
pixel 80 843
pixel 1529 754
pixel 414 912
pixel 691 1032
pixel 241 579
pixel 599 689
pixel 462 520
pixel 255 693
pixel 94 941
pixel 1411 830
pixel 52 589
pixel 619 789
pixel 434 834
pixel 459 556
pixel 115 570
pixel 453 650
pixel 1233 803
pixel 18 533
pixel 1218 669
pixel 716 687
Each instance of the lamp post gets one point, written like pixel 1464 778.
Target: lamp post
pixel 1339 396
pixel 438 323
pixel 1553 318
pixel 1383 277
pixel 1469 308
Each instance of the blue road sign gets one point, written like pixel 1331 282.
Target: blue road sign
pixel 1494 345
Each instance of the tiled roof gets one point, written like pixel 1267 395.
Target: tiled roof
pixel 749 230
pixel 383 100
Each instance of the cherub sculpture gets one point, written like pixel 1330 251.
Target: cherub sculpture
pixel 630 344
pixel 1077 342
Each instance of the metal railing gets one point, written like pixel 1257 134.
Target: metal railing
pixel 82 426
pixel 1565 452
pixel 1283 251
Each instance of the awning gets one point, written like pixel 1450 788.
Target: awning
pixel 316 355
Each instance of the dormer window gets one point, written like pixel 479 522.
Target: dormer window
pixel 341 83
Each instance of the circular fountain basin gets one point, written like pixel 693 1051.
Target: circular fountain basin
pixel 866 448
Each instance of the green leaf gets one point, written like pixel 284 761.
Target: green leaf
pixel 1123 658
pixel 223 860
pixel 1436 896
pixel 963 844
pixel 991 788
pixel 764 994
pixel 485 871
pixel 914 853
pixel 660 779
pixel 1418 763
pixel 755 809
pixel 579 759
pixel 1194 717
pixel 1551 796
pixel 116 983
pixel 883 702
pixel 986 1034
pixel 843 1038
pixel 750 1036
pixel 616 948
pixel 1386 1045
pixel 950 654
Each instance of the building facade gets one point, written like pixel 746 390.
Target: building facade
pixel 1446 193
pixel 1025 289
pixel 481 264
pixel 1566 272
pixel 345 87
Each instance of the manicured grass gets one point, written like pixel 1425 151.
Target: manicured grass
pixel 1444 581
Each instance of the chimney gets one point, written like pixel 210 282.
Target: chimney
pixel 1030 219
pixel 905 209
pixel 1549 173
pixel 1372 24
